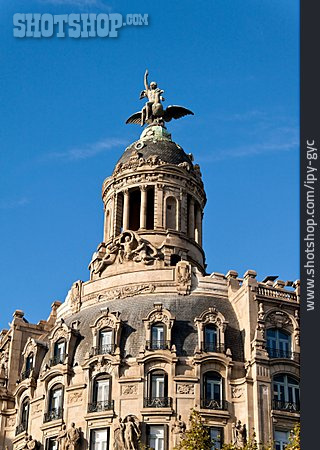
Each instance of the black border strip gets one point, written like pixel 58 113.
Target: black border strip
pixel 309 216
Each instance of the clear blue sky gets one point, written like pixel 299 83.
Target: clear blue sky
pixel 63 107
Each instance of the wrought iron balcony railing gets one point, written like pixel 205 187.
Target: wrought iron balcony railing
pixel 58 359
pixel 100 406
pixel 21 428
pixel 276 353
pixel 280 405
pixel 26 374
pixel 53 414
pixel 212 347
pixel 105 349
pixel 158 345
pixel 157 402
pixel 208 403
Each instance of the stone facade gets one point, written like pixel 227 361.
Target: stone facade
pixel 151 335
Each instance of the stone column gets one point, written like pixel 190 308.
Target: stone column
pixel 191 219
pixel 143 207
pixel 158 206
pixel 126 209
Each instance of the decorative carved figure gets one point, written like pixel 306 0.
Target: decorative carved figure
pixel 153 112
pixel 185 388
pixel 63 438
pixel 73 436
pixel 239 434
pixel 118 443
pixel 131 434
pixel 31 444
pixel 75 296
pixel 178 429
pixel 183 277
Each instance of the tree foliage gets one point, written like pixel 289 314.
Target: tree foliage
pixel 197 437
pixel 294 439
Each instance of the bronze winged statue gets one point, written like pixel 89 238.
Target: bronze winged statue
pixel 153 111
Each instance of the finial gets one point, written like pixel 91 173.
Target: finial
pixel 153 112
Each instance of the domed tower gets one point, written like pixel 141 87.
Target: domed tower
pixel 153 204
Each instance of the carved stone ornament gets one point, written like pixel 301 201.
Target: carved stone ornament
pixel 101 365
pixel 185 388
pixel 127 433
pixel 237 392
pixel 183 272
pixel 212 316
pixel 126 291
pixel 128 246
pixel 75 296
pixel 159 314
pixel 136 160
pixel 178 430
pixel 278 319
pixel 75 397
pixel 129 389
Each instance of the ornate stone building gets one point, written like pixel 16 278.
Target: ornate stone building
pixel 151 335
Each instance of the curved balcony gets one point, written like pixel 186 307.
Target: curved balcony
pixel 106 349
pixel 276 353
pixel 208 403
pixel 53 414
pixel 157 402
pixel 291 407
pixel 100 406
pixel 21 428
pixel 158 345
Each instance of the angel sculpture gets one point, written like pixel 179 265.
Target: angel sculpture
pixel 153 111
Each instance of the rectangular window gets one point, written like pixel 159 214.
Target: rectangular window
pixel 56 401
pixel 102 390
pixel 156 437
pixel 52 444
pixel 100 439
pixel 216 435
pixel 158 386
pixel 281 439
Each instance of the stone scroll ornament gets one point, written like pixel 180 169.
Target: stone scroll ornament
pixel 153 112
pixel 128 246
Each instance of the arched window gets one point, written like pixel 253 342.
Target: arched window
pixel 134 209
pixel 278 343
pixel 158 337
pixel 157 390
pixel 105 345
pixel 28 366
pixel 212 391
pixel 171 213
pixel 210 338
pixel 101 394
pixel 286 393
pixel 59 352
pixel 55 403
pixel 24 416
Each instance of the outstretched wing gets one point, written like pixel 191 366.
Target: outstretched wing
pixel 135 118
pixel 175 112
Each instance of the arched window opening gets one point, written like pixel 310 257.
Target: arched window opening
pixel 107 225
pixel 212 391
pixel 211 341
pixel 157 390
pixel 55 403
pixel 286 393
pixel 197 224
pixel 150 208
pixel 59 353
pixel 278 343
pixel 190 216
pixel 28 366
pixel 101 394
pixel 171 213
pixel 24 416
pixel 105 345
pixel 158 337
pixel 174 259
pixel 119 214
pixel 134 209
